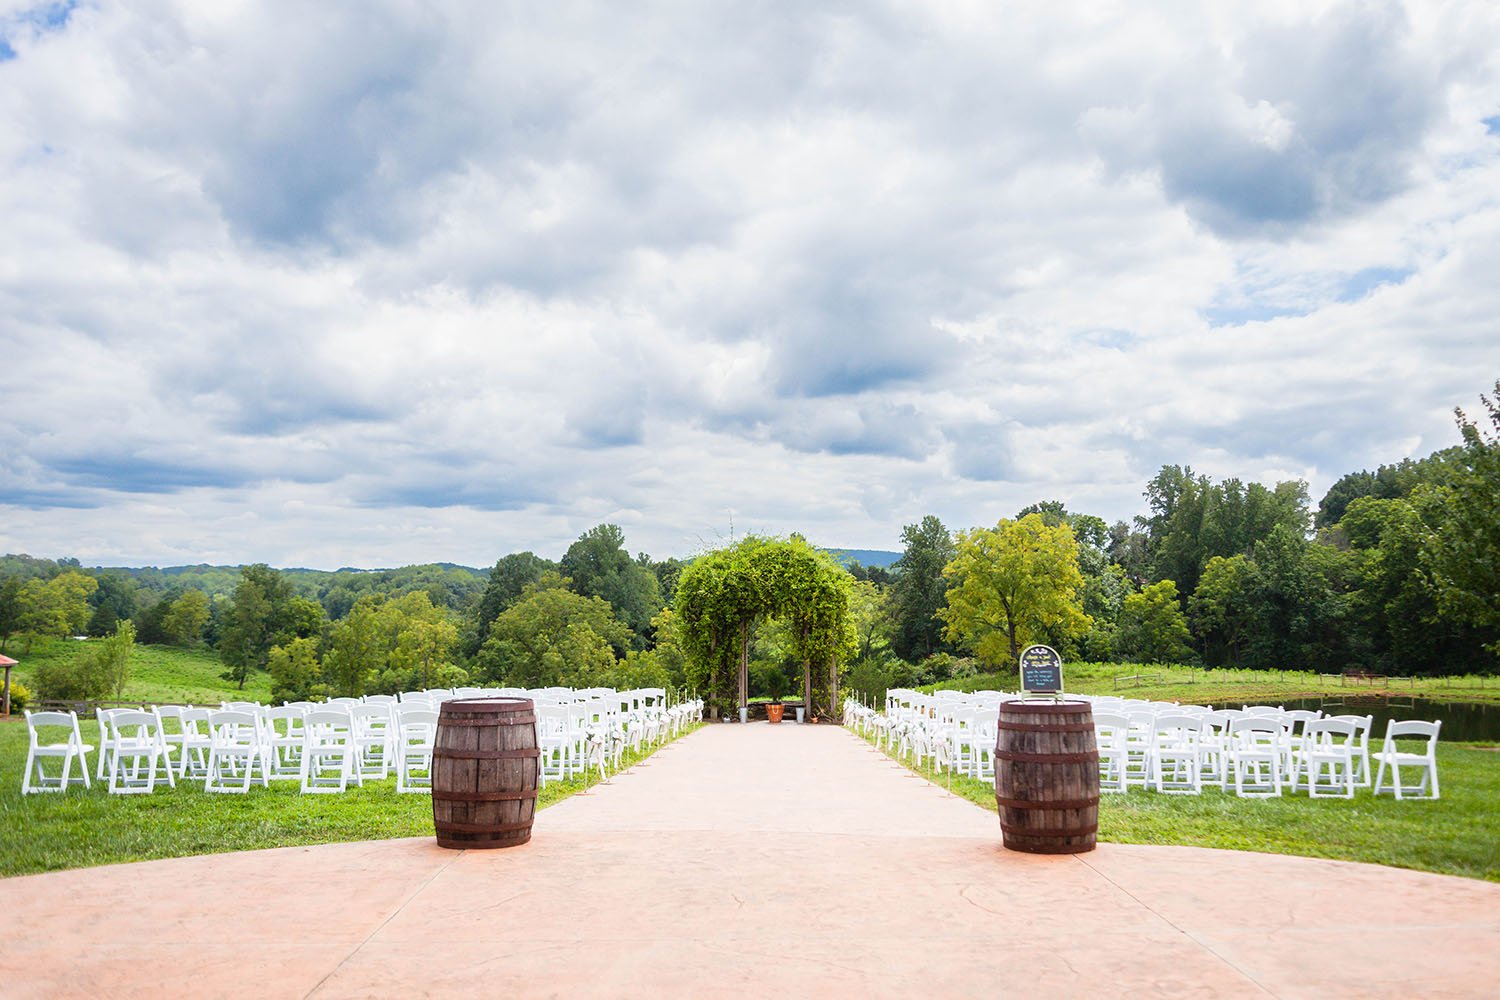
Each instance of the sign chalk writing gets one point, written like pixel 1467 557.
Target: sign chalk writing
pixel 1041 670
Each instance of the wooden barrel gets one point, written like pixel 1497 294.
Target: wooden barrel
pixel 1047 777
pixel 484 772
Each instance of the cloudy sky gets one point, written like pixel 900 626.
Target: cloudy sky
pixel 389 282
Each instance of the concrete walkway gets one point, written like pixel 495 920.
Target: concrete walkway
pixel 787 860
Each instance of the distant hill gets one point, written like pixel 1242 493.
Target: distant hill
pixel 865 557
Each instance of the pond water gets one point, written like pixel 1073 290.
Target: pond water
pixel 1462 720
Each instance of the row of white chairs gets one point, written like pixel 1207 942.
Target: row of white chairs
pixel 330 745
pixel 1257 751
pixel 325 748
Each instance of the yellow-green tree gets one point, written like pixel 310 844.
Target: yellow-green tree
pixel 1012 585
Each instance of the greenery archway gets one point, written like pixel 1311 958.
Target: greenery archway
pixel 722 595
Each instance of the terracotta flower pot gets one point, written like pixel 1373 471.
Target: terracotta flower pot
pixel 773 711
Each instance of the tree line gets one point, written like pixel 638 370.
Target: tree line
pixel 1396 570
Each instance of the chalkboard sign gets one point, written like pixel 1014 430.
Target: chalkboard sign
pixel 1041 670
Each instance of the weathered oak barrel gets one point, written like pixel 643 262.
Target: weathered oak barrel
pixel 1047 777
pixel 484 772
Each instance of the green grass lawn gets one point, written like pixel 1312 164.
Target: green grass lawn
pixel 81 828
pixel 1196 685
pixel 1459 834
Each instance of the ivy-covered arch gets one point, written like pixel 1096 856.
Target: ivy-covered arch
pixel 722 595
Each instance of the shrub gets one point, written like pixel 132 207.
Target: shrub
pixel 19 696
pixel 84 678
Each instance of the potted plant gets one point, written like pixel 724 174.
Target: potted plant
pixel 777 684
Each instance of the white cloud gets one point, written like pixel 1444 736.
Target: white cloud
pixel 327 287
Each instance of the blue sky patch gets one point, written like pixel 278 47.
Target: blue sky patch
pixel 1218 316
pixel 1492 124
pixel 1362 283
pixel 52 16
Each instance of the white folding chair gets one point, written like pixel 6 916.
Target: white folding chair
pixel 1294 723
pixel 282 734
pixel 106 740
pixel 137 752
pixel 1254 755
pixel 1325 759
pixel 1176 760
pixel 1110 732
pixel 195 742
pixel 374 739
pixel 1213 748
pixel 1391 755
pixel 53 734
pixel 329 754
pixel 1363 724
pixel 553 739
pixel 416 729
pixel 1138 745
pixel 169 725
pixel 235 749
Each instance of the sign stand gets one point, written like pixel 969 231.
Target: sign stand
pixel 1041 673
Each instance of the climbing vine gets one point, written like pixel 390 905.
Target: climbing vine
pixel 723 594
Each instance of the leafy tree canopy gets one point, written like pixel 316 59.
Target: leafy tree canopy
pixel 1012 585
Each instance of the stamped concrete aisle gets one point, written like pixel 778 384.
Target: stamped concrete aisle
pixel 791 860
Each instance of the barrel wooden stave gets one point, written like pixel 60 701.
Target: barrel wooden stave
pixel 1047 777
pixel 485 765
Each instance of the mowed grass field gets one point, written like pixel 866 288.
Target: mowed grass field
pixel 80 828
pixel 1230 686
pixel 1458 834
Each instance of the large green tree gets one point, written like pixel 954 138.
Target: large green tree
pixel 551 636
pixel 1153 628
pixel 1012 585
pixel 59 606
pixel 1223 611
pixel 920 589
pixel 1194 519
pixel 260 616
pixel 508 581
pixel 1462 554
pixel 186 618
pixel 599 566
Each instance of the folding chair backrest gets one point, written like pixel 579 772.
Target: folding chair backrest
pixel 230 728
pixel 320 720
pixel 1330 731
pixel 40 720
pixel 1256 729
pixel 1178 728
pixel 134 725
pixel 1412 729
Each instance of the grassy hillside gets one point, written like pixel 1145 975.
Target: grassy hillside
pixel 157 673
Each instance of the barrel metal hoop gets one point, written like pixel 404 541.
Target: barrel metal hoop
pixel 483 721
pixel 442 796
pixel 1047 707
pixel 452 753
pixel 1080 831
pixel 1056 804
pixel 443 828
pixel 1051 848
pixel 1090 757
pixel 486 706
pixel 1042 727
